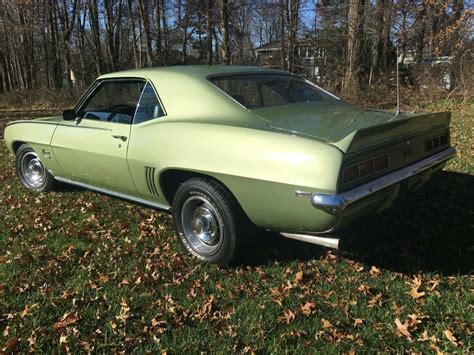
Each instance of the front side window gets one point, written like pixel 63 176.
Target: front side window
pixel 113 101
pixel 149 106
pixel 265 90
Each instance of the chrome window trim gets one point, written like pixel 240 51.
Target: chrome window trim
pixel 79 105
pixel 95 89
pixel 119 195
pixel 159 101
pixel 243 73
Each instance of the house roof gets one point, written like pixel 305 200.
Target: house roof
pixel 273 45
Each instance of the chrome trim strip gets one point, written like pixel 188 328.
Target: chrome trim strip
pixel 115 194
pixel 335 204
pixel 299 193
pixel 29 121
pixel 314 239
pixel 87 127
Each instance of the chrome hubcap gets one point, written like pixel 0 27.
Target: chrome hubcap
pixel 202 225
pixel 32 169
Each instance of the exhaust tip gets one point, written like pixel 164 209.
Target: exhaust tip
pixel 328 242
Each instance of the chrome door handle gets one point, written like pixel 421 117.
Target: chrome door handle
pixel 122 138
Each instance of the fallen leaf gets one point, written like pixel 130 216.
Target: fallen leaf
pixel 374 271
pixel 63 339
pixel 357 321
pixel 307 308
pixel 123 314
pixel 450 336
pixel 298 277
pixel 375 301
pixel 66 320
pixel 326 324
pixel 10 345
pixel 416 283
pixel 124 282
pixel 287 316
pixel 32 340
pixel 434 284
pixel 424 337
pixel 402 329
pixel 434 348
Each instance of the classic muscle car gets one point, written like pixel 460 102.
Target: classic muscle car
pixel 227 147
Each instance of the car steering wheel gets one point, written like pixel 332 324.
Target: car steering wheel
pixel 121 108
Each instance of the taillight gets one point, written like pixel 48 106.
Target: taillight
pixel 351 173
pixel 365 168
pixel 436 142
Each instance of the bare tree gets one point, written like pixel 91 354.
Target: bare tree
pixel 354 40
pixel 225 30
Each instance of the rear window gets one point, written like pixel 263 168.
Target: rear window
pixel 265 90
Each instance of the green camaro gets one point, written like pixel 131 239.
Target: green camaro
pixel 227 149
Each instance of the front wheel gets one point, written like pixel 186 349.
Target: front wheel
pixel 205 218
pixel 31 172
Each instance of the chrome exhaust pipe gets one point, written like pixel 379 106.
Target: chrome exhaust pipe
pixel 314 239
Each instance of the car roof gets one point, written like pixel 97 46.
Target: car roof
pixel 187 94
pixel 196 71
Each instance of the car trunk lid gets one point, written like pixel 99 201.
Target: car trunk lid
pixel 348 128
pixel 374 142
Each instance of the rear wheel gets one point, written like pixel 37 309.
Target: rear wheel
pixel 206 217
pixel 31 172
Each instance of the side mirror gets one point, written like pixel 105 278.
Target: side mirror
pixel 69 115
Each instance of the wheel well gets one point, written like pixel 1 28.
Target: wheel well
pixel 16 145
pixel 171 180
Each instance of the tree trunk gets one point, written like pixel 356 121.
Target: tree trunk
pixel 144 22
pixel 225 32
pixel 209 31
pixel 387 14
pixel 134 33
pixel 282 34
pixel 420 31
pixel 57 70
pixel 158 27
pixel 165 31
pixel 377 36
pixel 354 39
pixel 95 32
pixel 293 16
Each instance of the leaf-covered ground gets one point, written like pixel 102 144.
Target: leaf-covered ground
pixel 84 272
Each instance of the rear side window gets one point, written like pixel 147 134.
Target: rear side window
pixel 149 107
pixel 264 90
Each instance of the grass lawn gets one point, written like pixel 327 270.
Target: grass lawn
pixel 82 271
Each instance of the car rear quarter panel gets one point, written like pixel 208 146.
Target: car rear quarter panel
pixel 261 168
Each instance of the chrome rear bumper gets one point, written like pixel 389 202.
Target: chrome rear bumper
pixel 374 195
pixel 336 203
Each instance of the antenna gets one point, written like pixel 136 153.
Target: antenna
pixel 398 86
pixel 398 90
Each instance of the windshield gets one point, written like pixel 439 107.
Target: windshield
pixel 265 90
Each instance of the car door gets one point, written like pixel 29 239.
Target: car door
pixel 93 149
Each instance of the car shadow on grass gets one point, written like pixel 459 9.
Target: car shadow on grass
pixel 430 230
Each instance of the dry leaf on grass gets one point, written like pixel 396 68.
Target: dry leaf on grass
pixel 374 271
pixel 450 336
pixel 307 308
pixel 402 329
pixel 415 285
pixel 66 320
pixel 288 316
